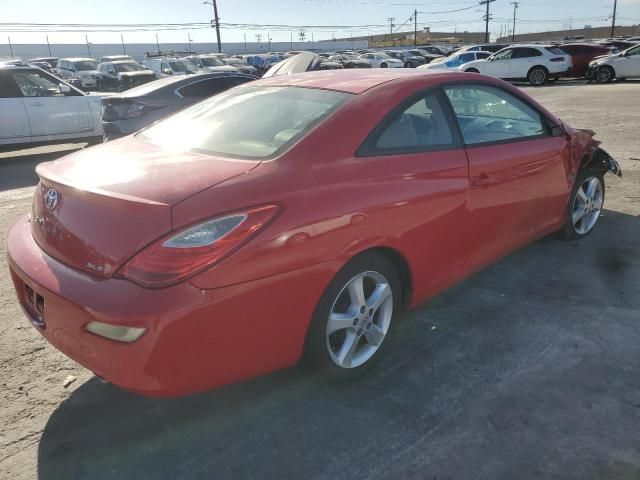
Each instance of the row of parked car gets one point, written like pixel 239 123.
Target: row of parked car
pixel 45 103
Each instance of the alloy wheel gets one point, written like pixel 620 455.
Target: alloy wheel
pixel 538 77
pixel 604 75
pixel 359 319
pixel 587 205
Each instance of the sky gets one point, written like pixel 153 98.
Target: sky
pixel 322 18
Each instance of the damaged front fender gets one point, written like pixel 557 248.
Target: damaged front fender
pixel 586 153
pixel 603 162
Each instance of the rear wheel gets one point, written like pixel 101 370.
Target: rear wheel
pixel 383 65
pixel 538 76
pixel 408 64
pixel 605 74
pixel 472 70
pixel 353 320
pixel 585 205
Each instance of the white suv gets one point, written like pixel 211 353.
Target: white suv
pixel 166 67
pixel 86 69
pixel 625 64
pixel 381 60
pixel 535 63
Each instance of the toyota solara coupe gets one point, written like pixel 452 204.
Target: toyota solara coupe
pixel 292 218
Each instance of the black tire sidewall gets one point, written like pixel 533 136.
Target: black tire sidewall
pixel 316 355
pixel 568 232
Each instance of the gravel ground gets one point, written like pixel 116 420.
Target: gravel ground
pixel 527 370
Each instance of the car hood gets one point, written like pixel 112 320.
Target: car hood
pixel 87 203
pixel 302 62
pixel 603 58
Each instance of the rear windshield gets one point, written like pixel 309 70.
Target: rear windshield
pixel 555 51
pixel 247 122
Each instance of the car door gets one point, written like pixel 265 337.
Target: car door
pixel 416 159
pixel 14 123
pixel 629 64
pixel 516 167
pixel 52 113
pixel 522 59
pixel 109 75
pixel 498 65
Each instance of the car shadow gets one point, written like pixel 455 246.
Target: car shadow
pixel 513 359
pixel 17 168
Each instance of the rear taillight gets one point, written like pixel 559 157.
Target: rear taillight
pixel 180 255
pixel 559 59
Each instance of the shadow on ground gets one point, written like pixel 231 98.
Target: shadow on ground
pixel 527 370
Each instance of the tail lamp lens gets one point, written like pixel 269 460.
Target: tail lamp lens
pixel 179 256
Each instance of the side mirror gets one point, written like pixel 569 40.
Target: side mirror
pixel 64 89
pixel 557 131
pixel 167 71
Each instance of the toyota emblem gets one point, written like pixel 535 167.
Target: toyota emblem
pixel 51 199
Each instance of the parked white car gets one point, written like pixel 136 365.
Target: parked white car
pixel 381 60
pixel 209 63
pixel 86 69
pixel 535 63
pixel 166 67
pixel 625 64
pixel 453 62
pixel 37 107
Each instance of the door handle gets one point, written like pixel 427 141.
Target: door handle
pixel 484 180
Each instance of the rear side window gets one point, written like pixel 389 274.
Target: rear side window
pixel 489 114
pixel 555 50
pixel 466 57
pixel 248 122
pixel 421 126
pixel 211 86
pixel 482 55
pixel 526 53
pixel 33 83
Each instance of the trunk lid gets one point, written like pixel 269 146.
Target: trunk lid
pixel 96 208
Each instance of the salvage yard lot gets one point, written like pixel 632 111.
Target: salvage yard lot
pixel 527 370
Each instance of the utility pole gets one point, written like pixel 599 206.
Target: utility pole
pixel 415 27
pixel 157 44
pixel 124 50
pixel 86 37
pixel 269 39
pixel 10 47
pixel 613 21
pixel 245 43
pixel 215 22
pixel 189 40
pixel 48 45
pixel 513 32
pixel 302 35
pixel 486 18
pixel 391 25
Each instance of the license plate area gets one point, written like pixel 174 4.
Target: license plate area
pixel 34 305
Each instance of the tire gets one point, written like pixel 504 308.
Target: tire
pixel 574 227
pixel 472 70
pixel 538 76
pixel 367 333
pixel 409 65
pixel 605 74
pixel 383 65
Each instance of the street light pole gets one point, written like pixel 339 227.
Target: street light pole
pixel 415 27
pixel 48 44
pixel 216 22
pixel 513 32
pixel 613 21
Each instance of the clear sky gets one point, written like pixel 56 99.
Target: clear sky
pixel 336 17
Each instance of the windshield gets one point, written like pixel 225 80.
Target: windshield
pixel 85 65
pixel 180 66
pixel 127 67
pixel 249 122
pixel 211 62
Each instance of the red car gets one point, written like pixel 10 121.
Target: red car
pixel 581 55
pixel 293 217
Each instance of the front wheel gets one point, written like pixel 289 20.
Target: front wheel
pixel 605 74
pixel 383 65
pixel 585 205
pixel 538 76
pixel 353 320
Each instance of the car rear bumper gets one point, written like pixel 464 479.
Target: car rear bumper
pixel 194 340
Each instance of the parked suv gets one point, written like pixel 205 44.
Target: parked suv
pixel 168 66
pixel 535 63
pixel 86 69
pixel 121 75
pixel 209 63
pixel 581 55
pixel 37 107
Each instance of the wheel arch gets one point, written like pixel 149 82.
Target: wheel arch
pixel 538 66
